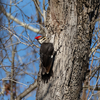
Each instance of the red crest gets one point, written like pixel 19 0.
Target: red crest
pixel 37 37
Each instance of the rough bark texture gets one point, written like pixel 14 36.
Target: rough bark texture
pixel 69 21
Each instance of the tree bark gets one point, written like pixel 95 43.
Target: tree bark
pixel 69 22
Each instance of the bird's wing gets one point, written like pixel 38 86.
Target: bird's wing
pixel 46 51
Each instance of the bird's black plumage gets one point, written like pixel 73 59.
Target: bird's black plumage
pixel 46 56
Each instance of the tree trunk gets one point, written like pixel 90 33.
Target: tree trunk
pixel 68 21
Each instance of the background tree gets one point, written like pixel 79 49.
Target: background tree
pixel 16 65
pixel 69 25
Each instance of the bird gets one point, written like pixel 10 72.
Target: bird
pixel 46 54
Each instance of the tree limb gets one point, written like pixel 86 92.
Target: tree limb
pixel 17 21
pixel 37 7
pixel 27 91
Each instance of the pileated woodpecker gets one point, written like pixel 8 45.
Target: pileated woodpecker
pixel 46 54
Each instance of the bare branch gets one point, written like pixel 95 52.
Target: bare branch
pixel 17 21
pixel 2 90
pixel 94 88
pixel 7 78
pixel 27 91
pixel 93 49
pixel 44 12
pixel 37 7
pixel 18 39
